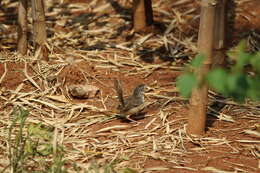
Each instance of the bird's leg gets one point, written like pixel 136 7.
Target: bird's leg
pixel 132 120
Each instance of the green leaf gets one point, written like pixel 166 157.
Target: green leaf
pixel 22 115
pixel 243 59
pixel 237 85
pixel 241 47
pixel 128 170
pixel 217 79
pixel 233 83
pixel 39 131
pixel 29 147
pixel 45 149
pixel 254 86
pixel 255 61
pixel 185 83
pixel 197 61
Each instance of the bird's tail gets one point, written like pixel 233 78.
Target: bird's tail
pixel 119 91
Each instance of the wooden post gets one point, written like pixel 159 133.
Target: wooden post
pixel 39 29
pixel 142 14
pixel 199 97
pixel 219 36
pixel 22 27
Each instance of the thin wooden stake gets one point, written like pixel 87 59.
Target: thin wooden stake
pixel 142 14
pixel 219 37
pixel 199 98
pixel 39 29
pixel 22 27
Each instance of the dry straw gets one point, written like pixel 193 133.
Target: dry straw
pixel 83 127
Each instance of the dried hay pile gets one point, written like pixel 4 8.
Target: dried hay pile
pixel 92 43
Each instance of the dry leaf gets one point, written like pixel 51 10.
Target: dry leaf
pixel 59 98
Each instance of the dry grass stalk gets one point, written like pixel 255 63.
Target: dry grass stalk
pixel 79 125
pixel 4 74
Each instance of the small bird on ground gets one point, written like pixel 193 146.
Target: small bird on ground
pixel 133 104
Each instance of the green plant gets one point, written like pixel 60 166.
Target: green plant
pixel 95 168
pixel 235 82
pixel 107 168
pixel 31 149
pixel 17 154
pixel 188 80
pixel 30 145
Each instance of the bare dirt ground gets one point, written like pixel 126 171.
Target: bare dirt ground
pixel 91 42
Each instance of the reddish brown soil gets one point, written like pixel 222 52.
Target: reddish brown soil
pixel 223 156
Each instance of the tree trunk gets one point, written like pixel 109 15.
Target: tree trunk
pixel 219 37
pixel 199 97
pixel 39 30
pixel 142 14
pixel 22 27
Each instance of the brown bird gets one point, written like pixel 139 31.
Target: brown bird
pixel 133 104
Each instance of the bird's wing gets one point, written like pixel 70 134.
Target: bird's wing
pixel 132 102
pixel 134 110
